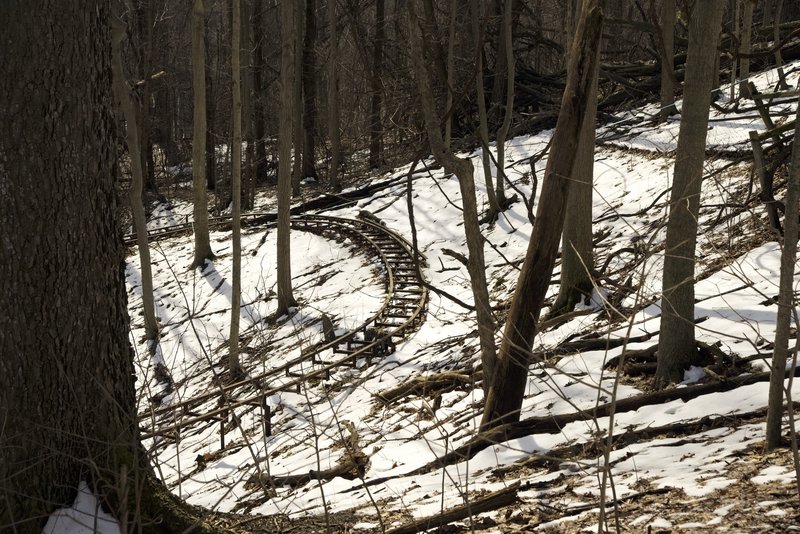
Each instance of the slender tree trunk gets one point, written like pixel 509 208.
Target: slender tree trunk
pixel 507 389
pixel 297 169
pixel 210 113
pixel 676 346
pixel 576 250
pixel 376 122
pixel 463 170
pixel 123 97
pixel 785 298
pixel 745 47
pixel 288 94
pixel 502 133
pixel 234 367
pixel 259 129
pixel 776 37
pixel 451 41
pixel 333 99
pixel 500 67
pixel 668 13
pixel 483 121
pixel 202 243
pixel 310 90
pixel 246 86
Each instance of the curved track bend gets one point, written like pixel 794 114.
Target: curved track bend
pixel 402 311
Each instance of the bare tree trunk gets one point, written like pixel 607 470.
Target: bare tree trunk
pixel 483 124
pixel 463 170
pixel 333 99
pixel 376 122
pixel 676 345
pixel 785 298
pixel 202 243
pixel 248 175
pixel 576 250
pixel 310 90
pixel 123 97
pixel 745 46
pixel 668 58
pixel 258 99
pixel 507 389
pixel 288 95
pixel 500 192
pixel 776 37
pixel 451 41
pixel 297 118
pixel 234 367
pixel 210 114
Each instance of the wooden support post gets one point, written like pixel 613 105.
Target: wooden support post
pixel 267 416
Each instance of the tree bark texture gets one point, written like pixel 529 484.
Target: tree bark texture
pixel 288 95
pixel 202 243
pixel 676 346
pixel 463 170
pixel 785 298
pixel 66 371
pixel 507 389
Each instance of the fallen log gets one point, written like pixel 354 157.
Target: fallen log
pixel 422 385
pixel 487 503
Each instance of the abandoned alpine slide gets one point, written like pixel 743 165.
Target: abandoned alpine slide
pixel 402 311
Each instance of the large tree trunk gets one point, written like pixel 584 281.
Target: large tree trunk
pixel 676 345
pixel 123 97
pixel 310 90
pixel 202 243
pixel 576 249
pixel 785 298
pixel 334 135
pixel 66 371
pixel 375 121
pixel 463 170
pixel 288 73
pixel 507 389
pixel 234 367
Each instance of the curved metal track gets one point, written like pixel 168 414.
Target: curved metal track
pixel 402 311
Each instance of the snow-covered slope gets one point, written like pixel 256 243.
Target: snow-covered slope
pixel 319 427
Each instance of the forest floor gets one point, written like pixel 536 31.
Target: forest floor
pixel 688 460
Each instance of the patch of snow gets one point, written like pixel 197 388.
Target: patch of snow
pixel 85 516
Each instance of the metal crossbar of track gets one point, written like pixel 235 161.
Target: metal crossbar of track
pixel 402 311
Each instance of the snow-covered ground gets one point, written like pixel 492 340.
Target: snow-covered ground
pixel 317 427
